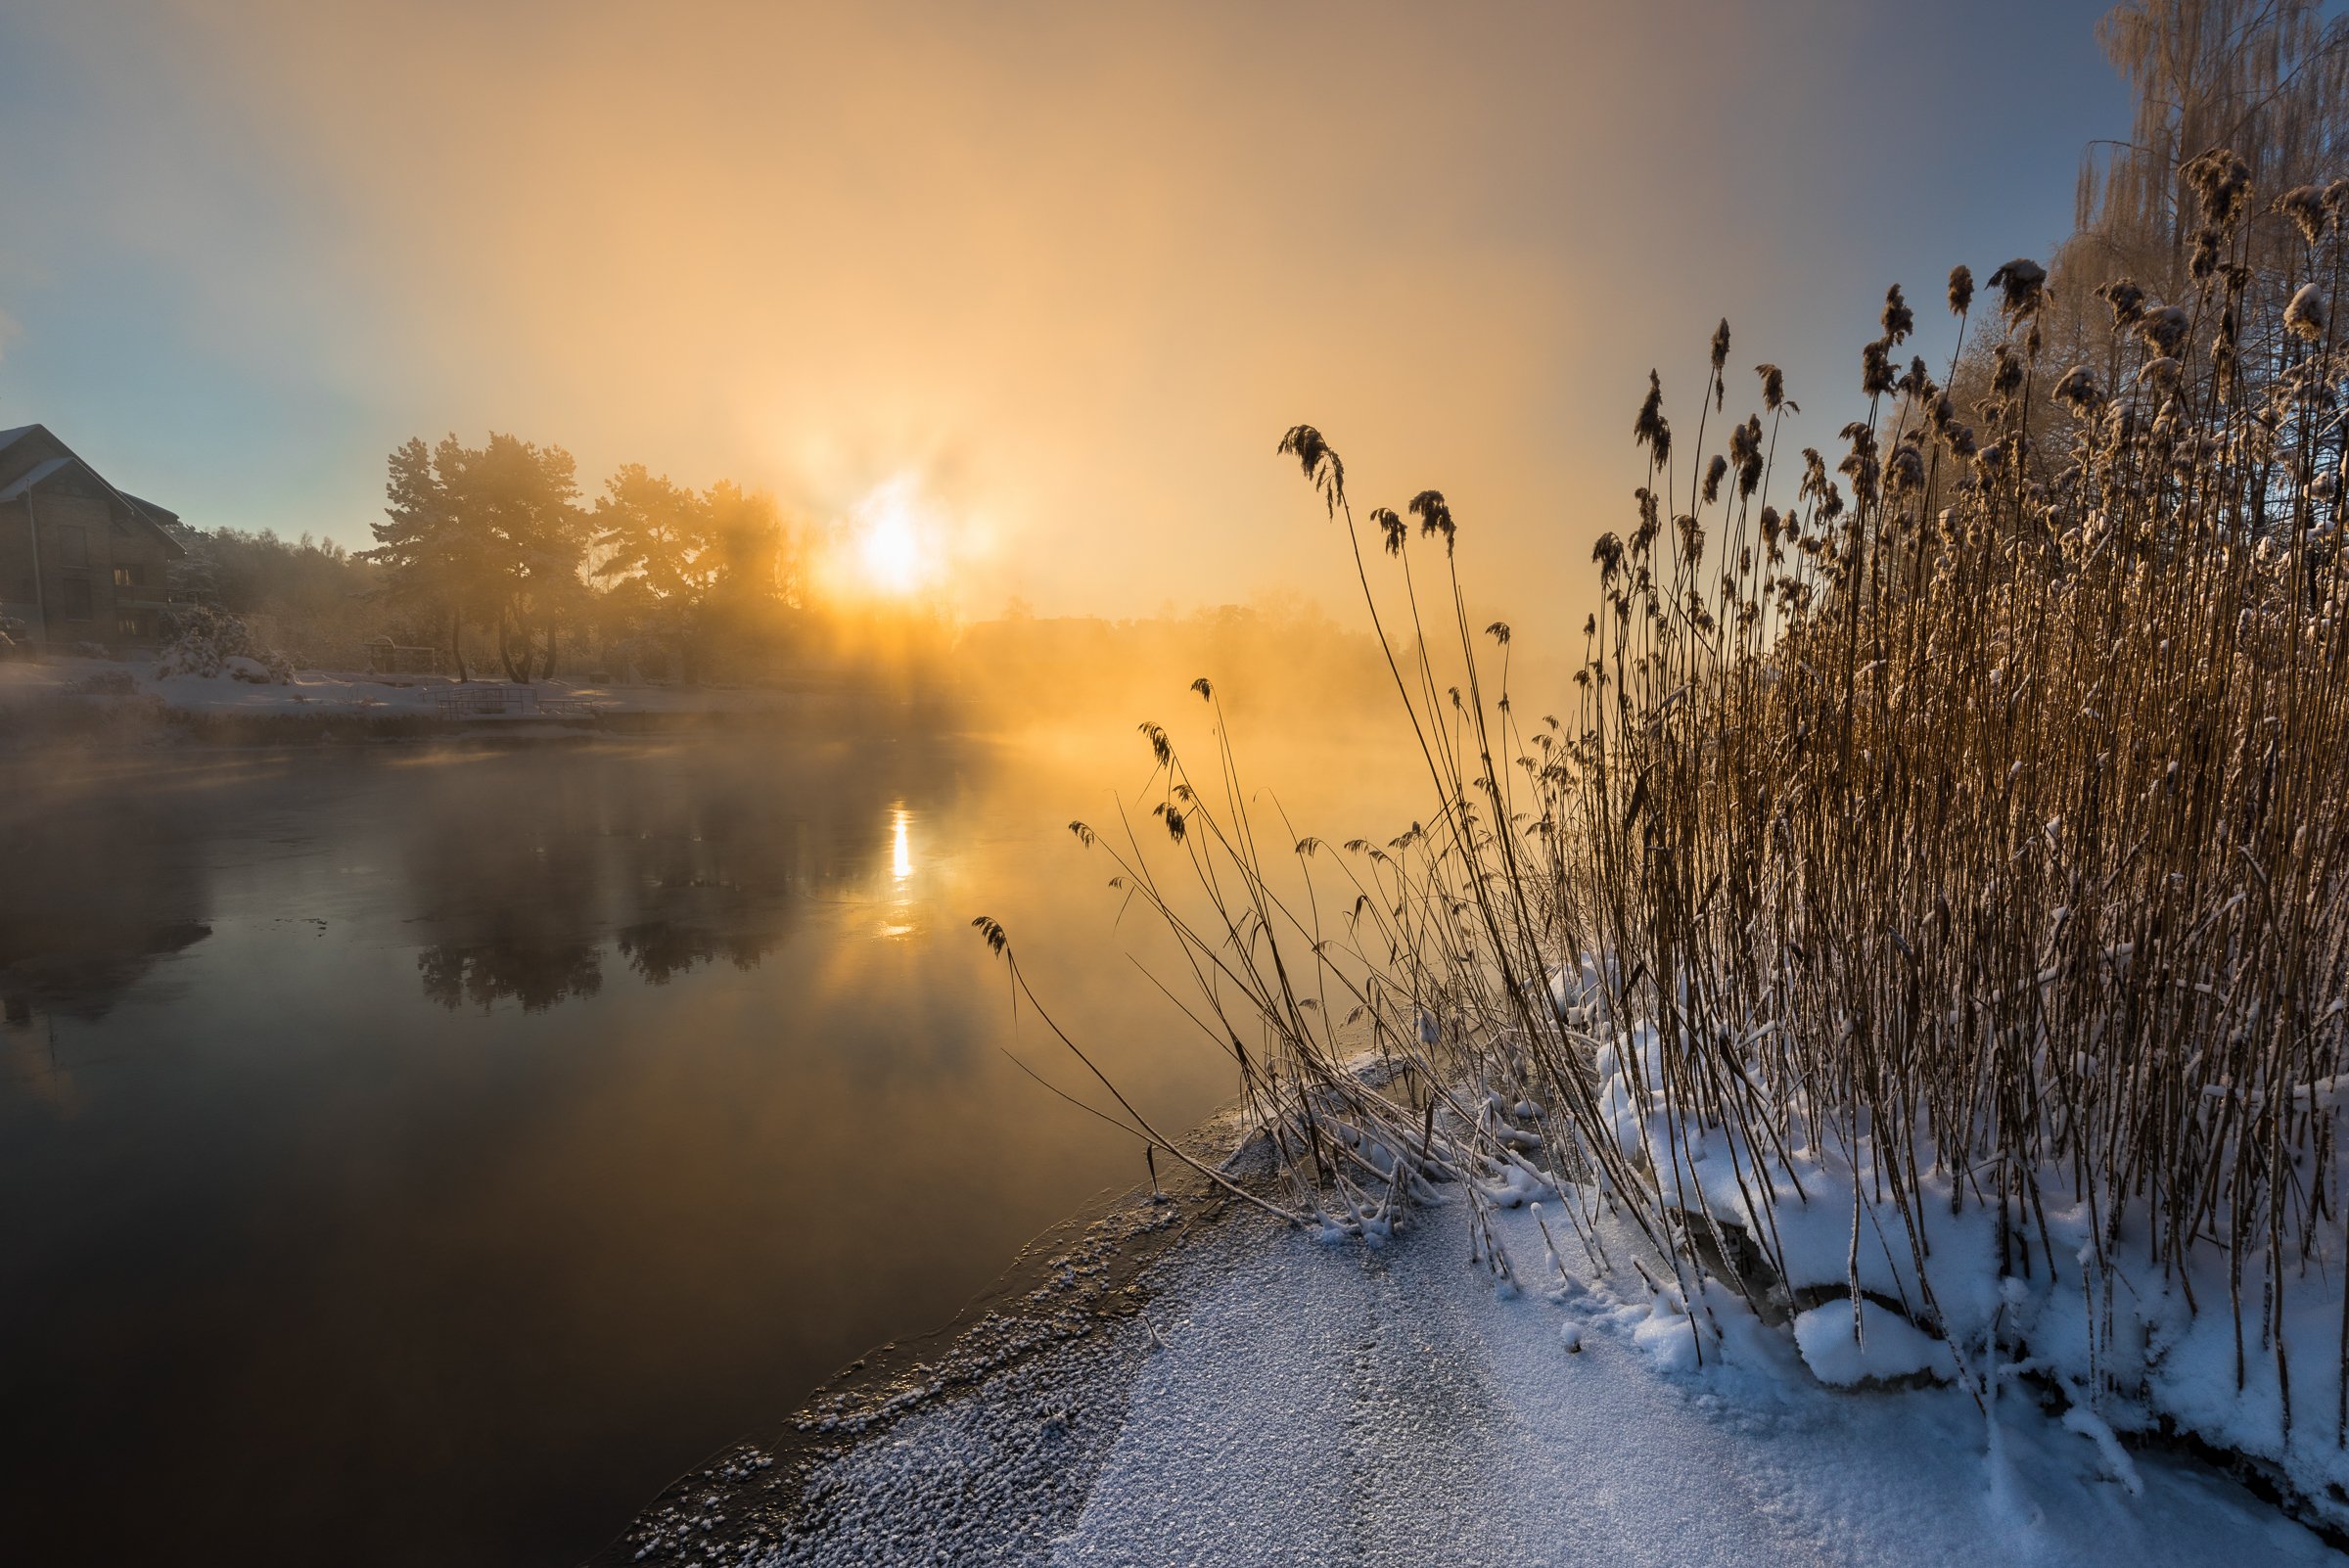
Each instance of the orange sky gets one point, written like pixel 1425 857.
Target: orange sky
pixel 1065 271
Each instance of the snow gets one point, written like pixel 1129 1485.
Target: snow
pixel 208 643
pixel 1464 1391
pixel 1319 1406
pixel 1879 1346
pixel 2135 1353
pixel 327 694
pixel 1283 1401
pixel 309 692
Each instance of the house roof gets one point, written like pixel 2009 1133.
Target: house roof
pixel 34 475
pixel 158 517
pixel 160 513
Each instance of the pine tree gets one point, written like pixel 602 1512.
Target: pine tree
pixel 419 545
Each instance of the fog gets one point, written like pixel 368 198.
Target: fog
pixel 1065 272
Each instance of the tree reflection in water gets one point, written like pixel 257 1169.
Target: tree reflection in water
pixel 528 892
pixel 537 977
pixel 510 1140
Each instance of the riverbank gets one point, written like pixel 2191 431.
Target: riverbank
pixel 971 1443
pixel 109 702
pixel 1257 1394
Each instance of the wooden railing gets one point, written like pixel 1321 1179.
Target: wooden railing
pixel 488 699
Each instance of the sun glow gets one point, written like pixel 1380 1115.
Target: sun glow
pixel 891 556
pixel 895 546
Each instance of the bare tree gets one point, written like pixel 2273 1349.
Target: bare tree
pixel 2267 78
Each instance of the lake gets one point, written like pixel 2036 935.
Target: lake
pixel 423 1152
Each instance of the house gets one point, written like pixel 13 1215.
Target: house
pixel 80 561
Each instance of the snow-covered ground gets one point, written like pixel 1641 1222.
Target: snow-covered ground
pixel 1286 1399
pixel 2125 1342
pixel 327 694
pixel 1322 1404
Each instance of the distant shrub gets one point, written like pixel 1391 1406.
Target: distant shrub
pixel 208 642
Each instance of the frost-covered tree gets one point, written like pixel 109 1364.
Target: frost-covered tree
pixel 490 535
pixel 207 641
pixel 522 533
pixel 423 554
pixel 2239 106
pixel 2267 78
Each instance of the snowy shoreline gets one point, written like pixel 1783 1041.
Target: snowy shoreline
pixel 1263 1394
pixel 132 702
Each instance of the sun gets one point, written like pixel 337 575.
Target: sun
pixel 893 550
pixel 891 554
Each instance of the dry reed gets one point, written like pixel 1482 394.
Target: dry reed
pixel 1973 805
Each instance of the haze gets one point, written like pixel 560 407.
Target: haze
pixel 1066 272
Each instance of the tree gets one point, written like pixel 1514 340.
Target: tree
pixel 709 571
pixel 310 599
pixel 489 531
pixel 756 584
pixel 652 545
pixel 2268 79
pixel 421 550
pixel 495 536
pixel 2248 98
pixel 524 539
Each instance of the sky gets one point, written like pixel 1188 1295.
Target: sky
pixel 1043 283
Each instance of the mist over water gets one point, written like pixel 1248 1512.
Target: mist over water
pixel 440 1148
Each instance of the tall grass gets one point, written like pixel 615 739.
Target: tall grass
pixel 1973 807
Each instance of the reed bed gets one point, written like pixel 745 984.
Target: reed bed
pixel 1931 892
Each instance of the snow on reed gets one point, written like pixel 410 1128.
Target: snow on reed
pixel 1928 917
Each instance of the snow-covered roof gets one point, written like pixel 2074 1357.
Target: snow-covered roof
pixel 34 475
pixel 156 510
pixel 158 517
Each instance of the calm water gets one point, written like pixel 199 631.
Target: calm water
pixel 421 1155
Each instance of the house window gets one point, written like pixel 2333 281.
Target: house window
pixel 73 545
pixel 130 577
pixel 139 624
pixel 77 597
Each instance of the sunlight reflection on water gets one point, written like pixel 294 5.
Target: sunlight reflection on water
pixel 901 919
pixel 477 1144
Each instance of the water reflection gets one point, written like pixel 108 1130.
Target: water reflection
pixel 899 921
pixel 658 951
pixel 93 891
pixel 522 889
pixel 35 974
pixel 538 976
pixel 528 1123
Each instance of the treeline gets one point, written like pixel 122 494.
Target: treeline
pixel 495 540
pixel 310 600
pixel 491 556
